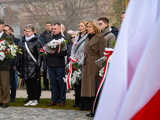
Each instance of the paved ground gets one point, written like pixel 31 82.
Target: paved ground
pixel 21 93
pixel 21 113
pixel 24 113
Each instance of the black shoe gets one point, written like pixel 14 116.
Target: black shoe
pixel 90 114
pixel 4 105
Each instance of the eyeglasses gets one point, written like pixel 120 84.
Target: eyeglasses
pixel 100 24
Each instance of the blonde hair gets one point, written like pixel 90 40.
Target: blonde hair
pixel 95 26
pixel 84 22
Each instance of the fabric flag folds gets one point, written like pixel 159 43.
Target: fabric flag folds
pixel 133 81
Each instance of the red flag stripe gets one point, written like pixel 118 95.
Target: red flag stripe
pixel 151 111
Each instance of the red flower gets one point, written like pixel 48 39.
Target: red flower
pixel 67 70
pixel 6 53
pixel 74 69
pixel 42 50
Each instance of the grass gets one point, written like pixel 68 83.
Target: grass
pixel 43 104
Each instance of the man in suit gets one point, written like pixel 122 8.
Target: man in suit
pixel 4 73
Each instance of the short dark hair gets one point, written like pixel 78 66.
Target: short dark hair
pixel 10 28
pixel 104 19
pixel 49 22
pixel 1 21
pixel 30 26
pixel 57 23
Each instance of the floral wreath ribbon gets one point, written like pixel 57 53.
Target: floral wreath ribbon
pixel 68 81
pixel 107 53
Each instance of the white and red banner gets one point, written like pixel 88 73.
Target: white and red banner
pixel 132 89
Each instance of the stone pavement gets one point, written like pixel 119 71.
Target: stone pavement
pixel 23 113
pixel 21 93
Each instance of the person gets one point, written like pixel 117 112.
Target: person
pixel 44 37
pixel 4 73
pixel 56 70
pixel 30 65
pixel 93 50
pixel 13 73
pixel 67 37
pixel 109 36
pixel 77 52
pixel 122 16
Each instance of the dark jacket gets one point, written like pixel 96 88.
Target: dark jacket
pixel 26 66
pixel 14 61
pixel 56 59
pixel 5 65
pixel 45 37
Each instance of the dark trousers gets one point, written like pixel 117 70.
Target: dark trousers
pixel 13 84
pixel 77 87
pixel 45 80
pixel 33 88
pixel 56 75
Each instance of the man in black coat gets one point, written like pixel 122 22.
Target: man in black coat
pixel 44 37
pixel 56 69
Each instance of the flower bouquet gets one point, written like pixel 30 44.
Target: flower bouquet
pixel 75 73
pixel 8 50
pixel 54 45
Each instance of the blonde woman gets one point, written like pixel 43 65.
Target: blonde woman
pixel 77 52
pixel 94 48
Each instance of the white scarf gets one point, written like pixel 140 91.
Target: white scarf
pixel 29 38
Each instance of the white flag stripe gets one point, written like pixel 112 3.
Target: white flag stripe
pixel 146 81
pixel 127 61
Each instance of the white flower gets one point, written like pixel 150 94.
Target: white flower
pixel 101 72
pixel 2 56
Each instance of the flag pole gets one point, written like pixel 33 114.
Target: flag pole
pixel 126 3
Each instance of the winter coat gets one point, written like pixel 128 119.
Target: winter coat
pixel 56 59
pixel 26 66
pixel 77 51
pixel 109 37
pixel 94 49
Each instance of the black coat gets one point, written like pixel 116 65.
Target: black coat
pixel 57 59
pixel 26 66
pixel 45 37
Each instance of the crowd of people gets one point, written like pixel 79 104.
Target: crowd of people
pixel 85 46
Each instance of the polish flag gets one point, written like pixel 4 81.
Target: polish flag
pixel 132 88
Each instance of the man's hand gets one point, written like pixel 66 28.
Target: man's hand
pixel 51 51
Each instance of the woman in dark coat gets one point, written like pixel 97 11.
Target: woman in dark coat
pixel 28 67
pixel 94 49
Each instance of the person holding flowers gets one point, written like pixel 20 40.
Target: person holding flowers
pixel 7 51
pixel 56 52
pixel 77 54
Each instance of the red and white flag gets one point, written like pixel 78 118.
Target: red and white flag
pixel 132 88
